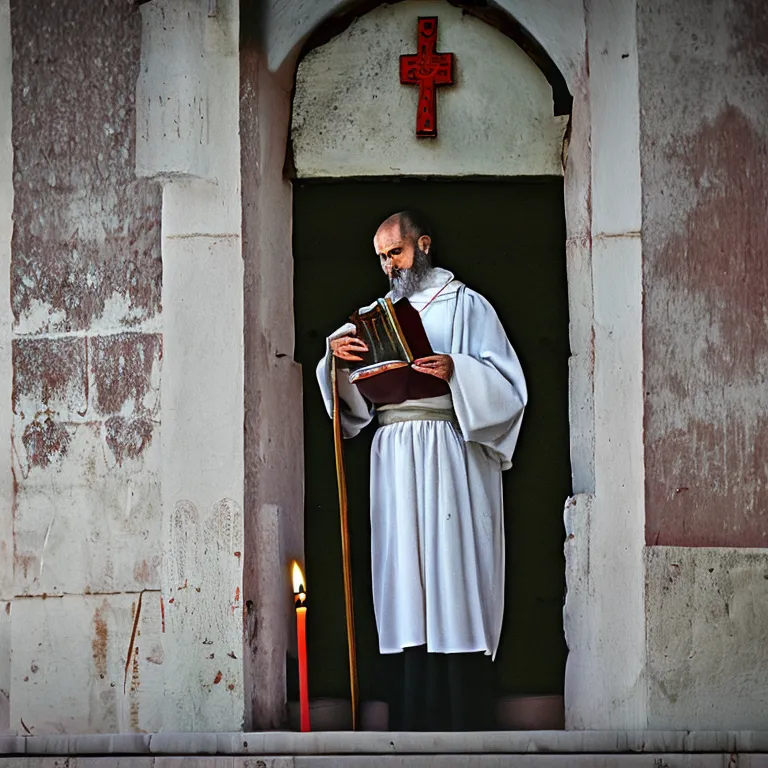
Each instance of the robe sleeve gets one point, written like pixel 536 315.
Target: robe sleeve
pixel 487 385
pixel 356 411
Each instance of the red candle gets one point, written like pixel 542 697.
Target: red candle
pixel 300 601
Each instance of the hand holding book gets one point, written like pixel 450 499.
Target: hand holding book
pixel 440 366
pixel 346 347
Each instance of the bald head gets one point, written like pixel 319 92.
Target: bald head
pixel 409 223
pixel 398 239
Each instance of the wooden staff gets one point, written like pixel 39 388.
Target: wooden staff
pixel 345 553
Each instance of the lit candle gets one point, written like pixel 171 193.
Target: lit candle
pixel 300 602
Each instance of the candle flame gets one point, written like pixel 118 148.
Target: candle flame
pixel 299 585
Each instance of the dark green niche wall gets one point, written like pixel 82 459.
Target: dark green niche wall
pixel 505 239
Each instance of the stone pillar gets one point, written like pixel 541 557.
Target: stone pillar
pixel 605 612
pixel 274 426
pixel 6 373
pixel 187 105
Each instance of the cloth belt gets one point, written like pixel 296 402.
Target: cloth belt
pixel 414 413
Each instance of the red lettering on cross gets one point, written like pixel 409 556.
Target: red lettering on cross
pixel 427 69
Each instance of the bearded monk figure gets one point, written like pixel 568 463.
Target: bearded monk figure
pixel 437 524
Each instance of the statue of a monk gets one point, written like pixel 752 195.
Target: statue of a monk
pixel 437 524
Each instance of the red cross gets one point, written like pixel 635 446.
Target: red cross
pixel 427 69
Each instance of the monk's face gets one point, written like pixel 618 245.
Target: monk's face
pixel 396 251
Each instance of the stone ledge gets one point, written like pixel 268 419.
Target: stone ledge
pixel 277 743
pixel 646 760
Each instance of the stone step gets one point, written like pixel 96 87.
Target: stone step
pixel 284 749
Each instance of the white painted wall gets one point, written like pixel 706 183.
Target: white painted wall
pixel 188 118
pixel 353 117
pixel 112 683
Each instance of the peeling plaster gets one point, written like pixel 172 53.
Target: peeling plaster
pixel 84 226
pixel 50 376
pixel 123 368
pixel 705 165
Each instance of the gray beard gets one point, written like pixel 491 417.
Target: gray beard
pixel 406 282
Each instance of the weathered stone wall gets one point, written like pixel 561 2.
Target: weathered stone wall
pixel 85 285
pixel 704 151
pixel 704 108
pixel 121 545
pixel 85 290
pixel 6 375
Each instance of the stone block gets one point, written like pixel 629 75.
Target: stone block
pixel 90 524
pixel 204 354
pixel 203 617
pixel 187 91
pixel 614 97
pixel 87 664
pixel 707 614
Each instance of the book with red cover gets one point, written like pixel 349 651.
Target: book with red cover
pixel 395 337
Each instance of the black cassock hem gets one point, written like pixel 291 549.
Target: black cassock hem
pixel 439 691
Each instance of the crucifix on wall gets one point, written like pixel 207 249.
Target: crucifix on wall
pixel 428 69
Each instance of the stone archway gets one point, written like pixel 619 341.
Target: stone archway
pixel 604 612
pixel 491 185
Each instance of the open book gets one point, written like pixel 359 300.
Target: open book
pixel 395 337
pixel 378 326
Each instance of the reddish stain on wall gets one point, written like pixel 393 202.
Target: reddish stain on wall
pixel 706 349
pixel 128 438
pixel 146 572
pixel 99 641
pixel 25 563
pixel 85 228
pixel 122 369
pixel 45 441
pixel 50 372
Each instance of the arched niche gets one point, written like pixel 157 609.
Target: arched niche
pixel 491 185
pixel 352 117
pixel 558 28
pixel 604 614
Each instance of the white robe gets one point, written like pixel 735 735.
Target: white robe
pixel 437 525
